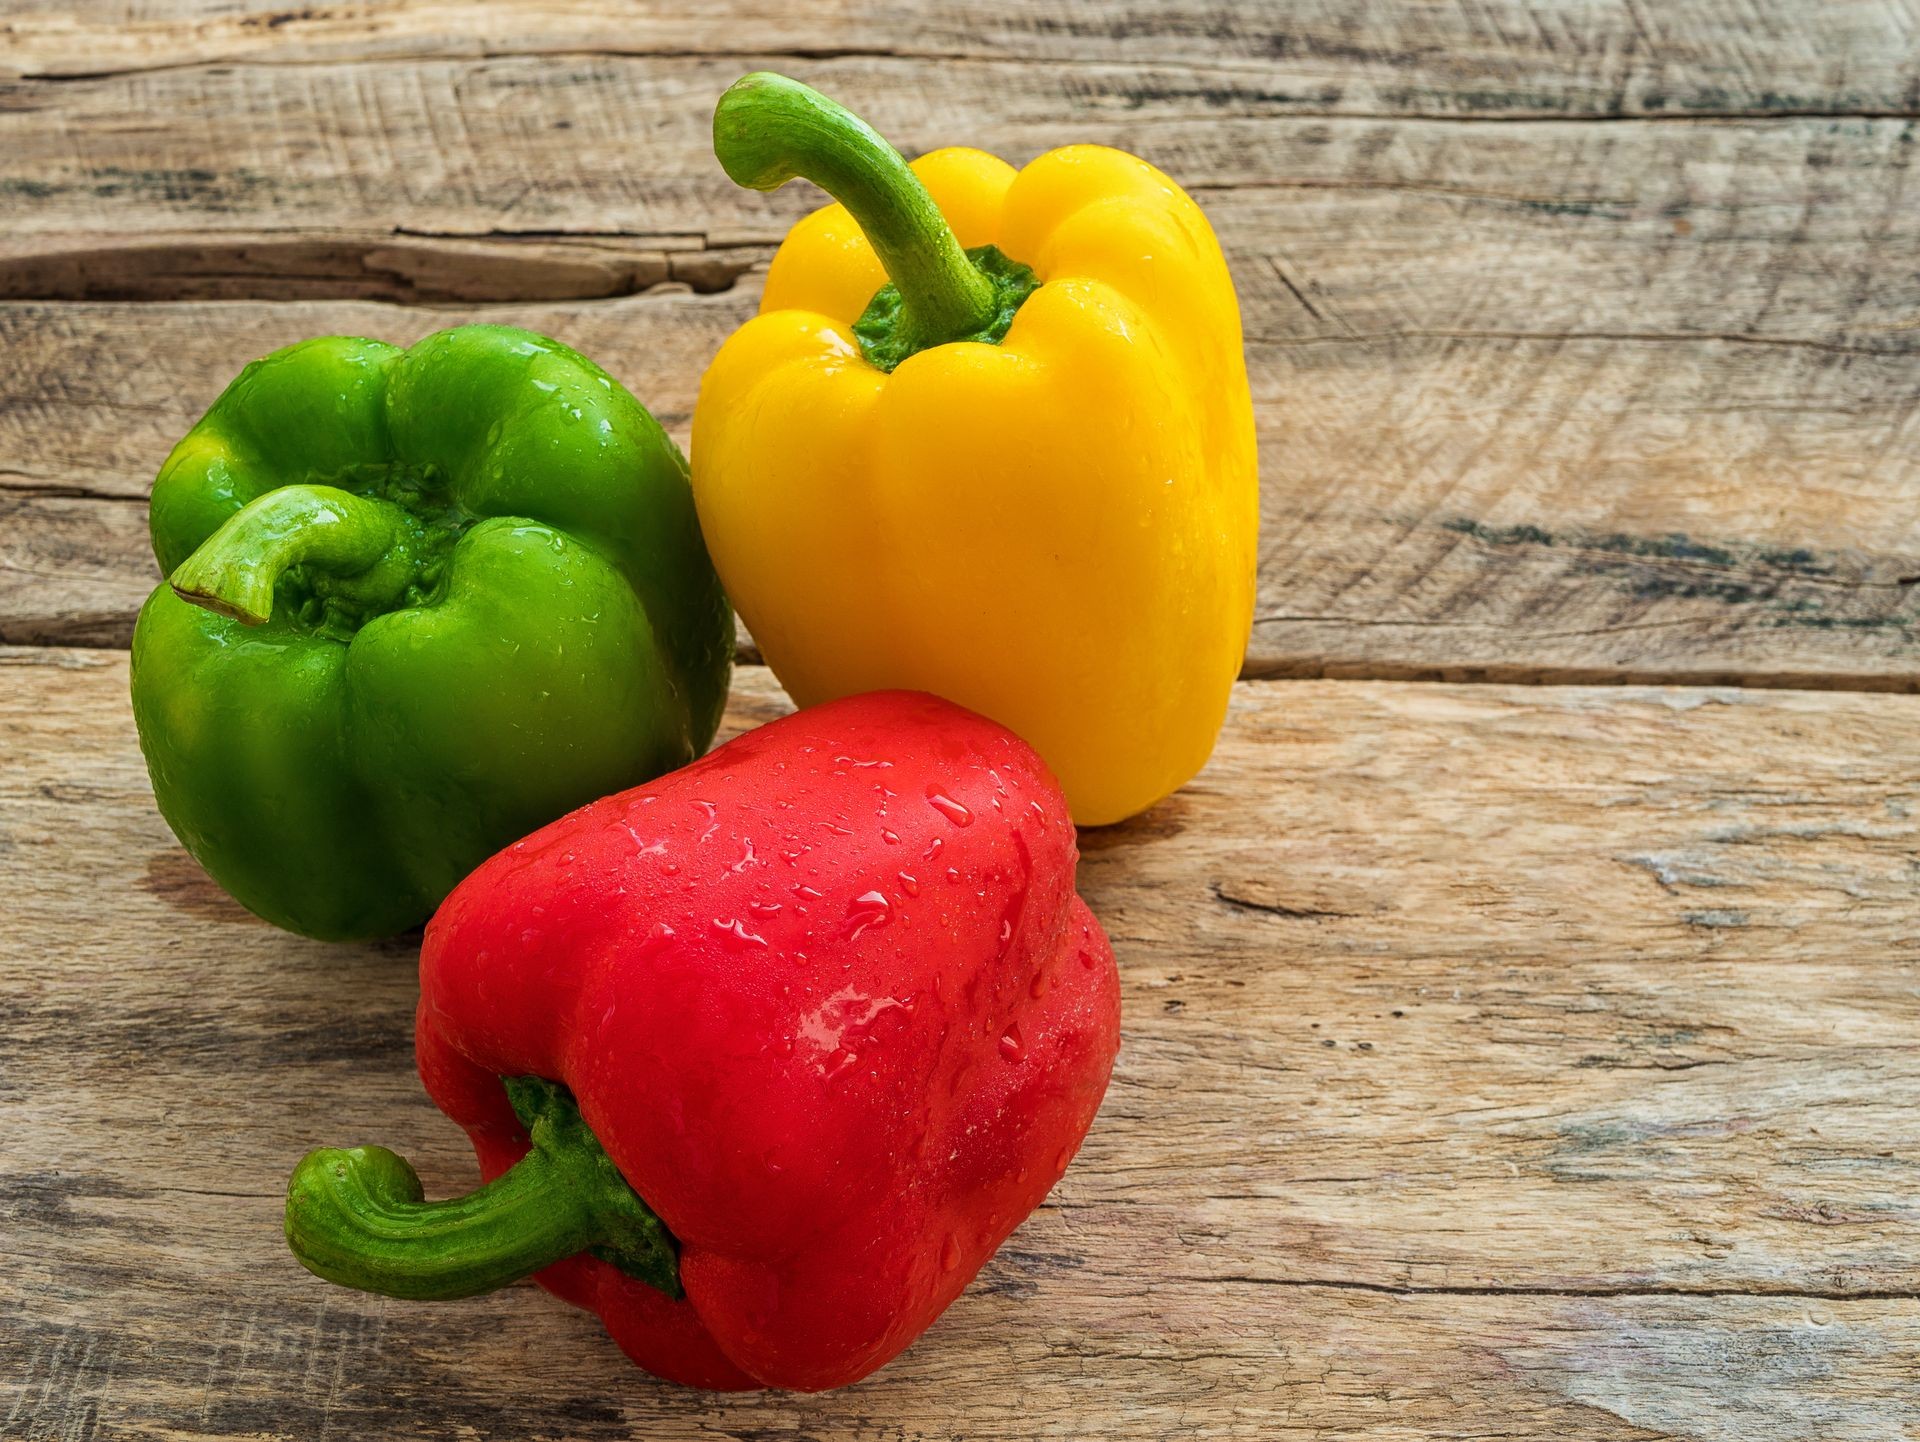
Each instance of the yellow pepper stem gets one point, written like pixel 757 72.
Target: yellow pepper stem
pixel 768 129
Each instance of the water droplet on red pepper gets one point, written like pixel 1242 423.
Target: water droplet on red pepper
pixel 1012 1045
pixel 950 1253
pixel 870 908
pixel 909 885
pixel 949 808
pixel 737 928
pixel 645 848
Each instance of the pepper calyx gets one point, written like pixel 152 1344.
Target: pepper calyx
pixel 632 1237
pixel 886 341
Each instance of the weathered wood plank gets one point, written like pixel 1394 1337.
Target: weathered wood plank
pixel 1589 508
pixel 1486 505
pixel 436 187
pixel 1500 57
pixel 1543 400
pixel 1498 1062
pixel 602 166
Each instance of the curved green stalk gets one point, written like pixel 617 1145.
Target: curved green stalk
pixel 373 543
pixel 768 129
pixel 358 1217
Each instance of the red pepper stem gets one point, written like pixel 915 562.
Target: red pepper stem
pixel 336 532
pixel 768 129
pixel 360 1218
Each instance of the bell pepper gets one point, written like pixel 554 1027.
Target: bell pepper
pixel 418 603
pixel 989 436
pixel 762 1060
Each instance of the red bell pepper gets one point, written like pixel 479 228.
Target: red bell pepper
pixel 828 1001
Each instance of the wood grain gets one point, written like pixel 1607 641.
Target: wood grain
pixel 1467 507
pixel 1498 1062
pixel 1543 399
pixel 1606 58
pixel 1395 222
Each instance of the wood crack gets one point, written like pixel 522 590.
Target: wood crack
pixel 1628 337
pixel 23 483
pixel 401 267
pixel 1624 1290
pixel 480 56
pixel 1275 908
pixel 1325 666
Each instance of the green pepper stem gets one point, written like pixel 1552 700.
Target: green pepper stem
pixel 356 1217
pixel 236 568
pixel 359 1218
pixel 767 129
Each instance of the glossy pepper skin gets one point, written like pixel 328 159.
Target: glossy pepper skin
pixel 1052 520
pixel 419 603
pixel 827 999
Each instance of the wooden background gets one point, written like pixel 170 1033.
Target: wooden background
pixel 1502 1059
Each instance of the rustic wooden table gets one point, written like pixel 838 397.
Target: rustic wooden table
pixel 1521 1010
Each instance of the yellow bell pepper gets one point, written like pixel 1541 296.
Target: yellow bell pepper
pixel 990 437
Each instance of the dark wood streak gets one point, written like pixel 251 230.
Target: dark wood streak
pixel 403 268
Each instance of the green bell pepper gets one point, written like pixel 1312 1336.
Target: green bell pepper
pixel 419 603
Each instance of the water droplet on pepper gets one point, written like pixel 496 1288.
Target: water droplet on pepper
pixel 868 909
pixel 1012 1045
pixel 949 808
pixel 737 928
